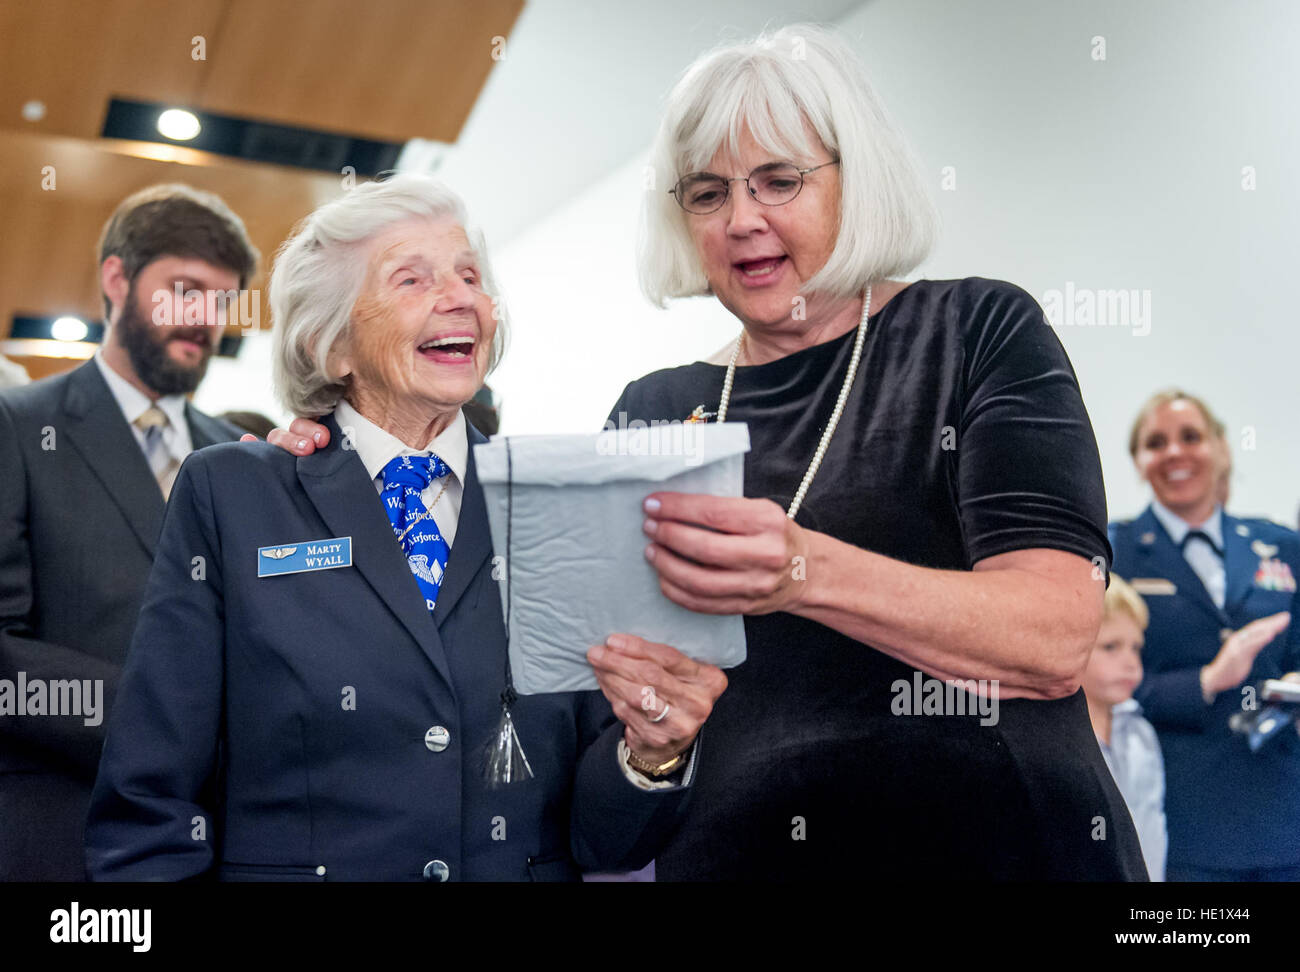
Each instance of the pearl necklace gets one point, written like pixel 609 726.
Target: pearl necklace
pixel 835 415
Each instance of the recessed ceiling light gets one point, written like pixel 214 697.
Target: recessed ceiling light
pixel 33 111
pixel 178 124
pixel 241 138
pixel 69 329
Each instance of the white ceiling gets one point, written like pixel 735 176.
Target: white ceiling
pixel 578 90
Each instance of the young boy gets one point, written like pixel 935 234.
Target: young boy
pixel 1127 740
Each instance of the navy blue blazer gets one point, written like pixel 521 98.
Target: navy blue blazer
pixel 1225 806
pixel 234 749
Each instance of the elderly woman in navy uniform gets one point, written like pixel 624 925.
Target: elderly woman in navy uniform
pixel 1221 591
pixel 320 661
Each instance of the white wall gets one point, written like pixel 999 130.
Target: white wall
pixel 242 384
pixel 580 330
pixel 1123 173
pixel 577 91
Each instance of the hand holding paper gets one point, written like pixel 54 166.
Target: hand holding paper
pixel 566 517
pixel 661 696
pixel 719 555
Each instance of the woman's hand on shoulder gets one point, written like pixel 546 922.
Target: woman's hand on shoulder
pixel 302 438
pixel 723 555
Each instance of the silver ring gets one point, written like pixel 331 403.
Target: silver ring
pixel 662 714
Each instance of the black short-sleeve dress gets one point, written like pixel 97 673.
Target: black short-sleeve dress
pixel 964 437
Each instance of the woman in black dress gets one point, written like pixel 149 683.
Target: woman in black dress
pixel 925 511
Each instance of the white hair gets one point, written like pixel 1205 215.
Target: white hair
pixel 775 84
pixel 319 273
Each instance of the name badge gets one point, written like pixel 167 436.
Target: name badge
pixel 1153 585
pixel 295 558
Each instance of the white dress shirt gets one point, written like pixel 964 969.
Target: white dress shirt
pixel 1200 556
pixel 1136 762
pixel 134 403
pixel 377 448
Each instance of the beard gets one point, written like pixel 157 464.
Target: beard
pixel 146 347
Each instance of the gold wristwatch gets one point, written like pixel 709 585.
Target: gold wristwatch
pixel 656 769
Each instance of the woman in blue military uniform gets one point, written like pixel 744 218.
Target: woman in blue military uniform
pixel 312 687
pixel 1221 591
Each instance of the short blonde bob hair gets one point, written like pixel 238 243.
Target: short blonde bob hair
pixel 1122 598
pixel 319 273
pixel 774 84
pixel 1160 398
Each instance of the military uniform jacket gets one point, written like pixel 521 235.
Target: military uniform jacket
pixel 1225 806
pixel 323 724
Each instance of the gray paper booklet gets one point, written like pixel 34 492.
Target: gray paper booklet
pixel 566 515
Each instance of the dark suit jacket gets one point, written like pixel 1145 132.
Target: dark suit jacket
pixel 234 707
pixel 80 513
pixel 1225 807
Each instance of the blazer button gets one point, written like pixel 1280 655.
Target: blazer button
pixel 437 739
pixel 436 870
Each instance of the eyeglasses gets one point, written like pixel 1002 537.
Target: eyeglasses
pixel 774 184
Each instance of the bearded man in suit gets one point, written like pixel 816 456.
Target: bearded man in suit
pixel 89 457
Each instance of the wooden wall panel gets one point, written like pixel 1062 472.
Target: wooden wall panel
pixel 47 251
pixel 392 70
pixel 74 55
pixel 386 69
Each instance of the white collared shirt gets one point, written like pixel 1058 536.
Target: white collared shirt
pixel 134 403
pixel 1136 762
pixel 377 448
pixel 1207 564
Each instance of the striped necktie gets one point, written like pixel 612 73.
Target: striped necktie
pixel 405 479
pixel 153 421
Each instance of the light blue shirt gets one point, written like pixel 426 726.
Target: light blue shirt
pixel 1138 766
pixel 1200 556
pixel 134 403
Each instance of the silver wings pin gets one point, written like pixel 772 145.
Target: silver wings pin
pixel 430 573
